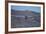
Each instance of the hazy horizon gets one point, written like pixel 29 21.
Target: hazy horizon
pixel 29 8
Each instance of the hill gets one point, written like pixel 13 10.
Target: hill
pixel 24 19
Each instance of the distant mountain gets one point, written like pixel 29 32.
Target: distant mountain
pixel 18 12
pixel 12 12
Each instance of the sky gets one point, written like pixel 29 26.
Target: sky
pixel 30 8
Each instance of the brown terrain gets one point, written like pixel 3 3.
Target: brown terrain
pixel 22 19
